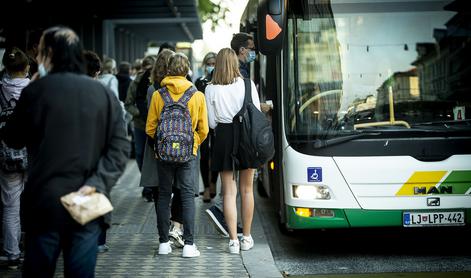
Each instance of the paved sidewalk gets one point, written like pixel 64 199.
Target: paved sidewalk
pixel 133 243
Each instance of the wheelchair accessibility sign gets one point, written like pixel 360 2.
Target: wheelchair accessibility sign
pixel 314 174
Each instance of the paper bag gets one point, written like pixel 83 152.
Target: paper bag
pixel 85 208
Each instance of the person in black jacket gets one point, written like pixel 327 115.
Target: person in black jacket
pixel 124 79
pixel 73 129
pixel 209 177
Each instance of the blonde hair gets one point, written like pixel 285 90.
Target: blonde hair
pixel 109 66
pixel 178 65
pixel 160 68
pixel 227 67
pixel 209 55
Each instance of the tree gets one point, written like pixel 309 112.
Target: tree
pixel 211 11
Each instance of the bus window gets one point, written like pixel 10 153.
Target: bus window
pixel 355 64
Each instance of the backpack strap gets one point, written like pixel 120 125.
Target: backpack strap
pixel 248 92
pixel 165 96
pixel 187 95
pixel 237 122
pixel 183 99
pixel 3 99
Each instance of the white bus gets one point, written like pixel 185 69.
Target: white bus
pixel 372 109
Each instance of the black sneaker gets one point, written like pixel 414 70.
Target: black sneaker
pixel 147 194
pixel 13 264
pixel 217 218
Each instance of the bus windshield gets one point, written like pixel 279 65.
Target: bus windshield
pixel 380 65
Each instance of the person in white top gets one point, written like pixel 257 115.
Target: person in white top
pixel 224 99
pixel 108 77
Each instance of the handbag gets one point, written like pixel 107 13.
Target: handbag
pixel 85 208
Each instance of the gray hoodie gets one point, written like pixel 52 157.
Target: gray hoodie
pixel 12 87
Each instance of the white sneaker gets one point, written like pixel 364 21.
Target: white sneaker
pixel 177 237
pixel 234 246
pixel 246 243
pixel 165 248
pixel 190 251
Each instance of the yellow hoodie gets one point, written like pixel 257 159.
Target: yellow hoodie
pixel 177 85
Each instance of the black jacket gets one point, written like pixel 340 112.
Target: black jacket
pixel 75 134
pixel 123 84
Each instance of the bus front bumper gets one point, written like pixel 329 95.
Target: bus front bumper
pixel 347 218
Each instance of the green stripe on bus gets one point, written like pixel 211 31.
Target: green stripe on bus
pixel 374 218
pixel 459 180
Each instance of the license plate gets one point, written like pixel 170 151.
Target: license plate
pixel 445 218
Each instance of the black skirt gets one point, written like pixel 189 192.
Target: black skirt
pixel 221 150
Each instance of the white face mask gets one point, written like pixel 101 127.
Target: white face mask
pixel 209 69
pixel 42 70
pixel 251 56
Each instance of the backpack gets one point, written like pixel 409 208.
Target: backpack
pixel 141 95
pixel 174 134
pixel 11 160
pixel 253 135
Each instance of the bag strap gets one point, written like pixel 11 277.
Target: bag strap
pixel 248 92
pixel 3 98
pixel 187 95
pixel 237 124
pixel 183 99
pixel 165 96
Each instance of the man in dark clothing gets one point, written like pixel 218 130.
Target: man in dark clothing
pixel 244 46
pixel 124 79
pixel 74 132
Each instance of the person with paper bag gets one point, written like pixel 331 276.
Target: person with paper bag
pixel 74 131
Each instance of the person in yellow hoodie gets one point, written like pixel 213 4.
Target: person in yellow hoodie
pixel 178 174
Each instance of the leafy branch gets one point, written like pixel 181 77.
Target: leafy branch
pixel 213 12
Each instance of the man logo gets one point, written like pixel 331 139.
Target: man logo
pixel 433 202
pixel 422 190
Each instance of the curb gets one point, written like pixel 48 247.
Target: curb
pixel 259 261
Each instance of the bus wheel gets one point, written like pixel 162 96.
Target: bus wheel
pixel 285 230
pixel 260 189
pixel 262 180
pixel 282 224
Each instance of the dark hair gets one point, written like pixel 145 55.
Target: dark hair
pixel 240 40
pixel 92 63
pixel 166 45
pixel 124 68
pixel 66 49
pixel 15 60
pixel 148 62
pixel 137 65
pixel 160 68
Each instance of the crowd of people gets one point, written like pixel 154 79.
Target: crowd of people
pixel 66 128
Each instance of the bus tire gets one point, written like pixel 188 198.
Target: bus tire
pixel 285 230
pixel 260 189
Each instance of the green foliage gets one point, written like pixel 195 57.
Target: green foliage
pixel 213 12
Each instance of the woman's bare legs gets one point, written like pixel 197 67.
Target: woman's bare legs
pixel 246 193
pixel 229 190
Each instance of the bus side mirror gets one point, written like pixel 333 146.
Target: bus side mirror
pixel 271 16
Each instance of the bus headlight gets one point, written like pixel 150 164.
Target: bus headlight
pixel 309 192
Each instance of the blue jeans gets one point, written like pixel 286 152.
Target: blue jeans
pixel 78 245
pixel 183 177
